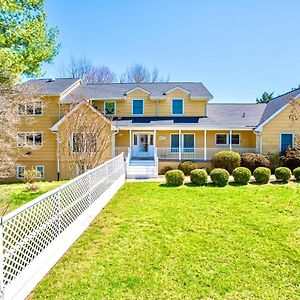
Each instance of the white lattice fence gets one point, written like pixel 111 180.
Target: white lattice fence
pixel 35 236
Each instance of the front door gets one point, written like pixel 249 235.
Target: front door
pixel 287 139
pixel 142 145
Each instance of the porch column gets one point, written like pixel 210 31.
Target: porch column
pixel 230 139
pixel 130 137
pixel 205 153
pixel 154 138
pixel 179 142
pixel 113 145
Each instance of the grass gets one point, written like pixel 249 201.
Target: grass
pixel 156 242
pixel 16 194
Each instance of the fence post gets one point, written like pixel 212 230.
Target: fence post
pixel 1 261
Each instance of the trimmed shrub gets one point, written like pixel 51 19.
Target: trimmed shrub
pixel 284 174
pixel 227 160
pixel 291 159
pixel 199 176
pixel 219 176
pixel 187 166
pixel 262 175
pixel 165 169
pixel 253 161
pixel 275 162
pixel 174 177
pixel 296 173
pixel 241 175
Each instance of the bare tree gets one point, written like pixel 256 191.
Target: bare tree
pixel 138 73
pixel 84 140
pixel 15 102
pixel 100 75
pixel 76 68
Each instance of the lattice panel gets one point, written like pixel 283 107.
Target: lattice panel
pixel 28 233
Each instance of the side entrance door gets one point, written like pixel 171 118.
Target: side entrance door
pixel 142 145
pixel 287 139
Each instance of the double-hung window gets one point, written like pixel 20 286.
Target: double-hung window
pixel 223 139
pixel 110 108
pixel 31 109
pixel 20 172
pixel 138 107
pixel 30 139
pixel 41 171
pixel 177 107
pixel 84 142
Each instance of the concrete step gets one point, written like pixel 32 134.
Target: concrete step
pixel 142 163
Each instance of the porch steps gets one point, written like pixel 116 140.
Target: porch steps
pixel 141 169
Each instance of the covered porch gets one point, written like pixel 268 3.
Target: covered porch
pixel 183 144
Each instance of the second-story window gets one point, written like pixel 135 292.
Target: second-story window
pixel 138 107
pixel 177 107
pixel 110 108
pixel 31 109
pixel 30 139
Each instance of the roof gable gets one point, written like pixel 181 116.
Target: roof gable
pixel 177 88
pixel 74 109
pixel 137 89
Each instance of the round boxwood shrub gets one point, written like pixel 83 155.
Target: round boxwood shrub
pixel 219 176
pixel 253 161
pixel 241 175
pixel 227 160
pixel 262 175
pixel 296 173
pixel 284 174
pixel 165 169
pixel 199 176
pixel 187 166
pixel 174 177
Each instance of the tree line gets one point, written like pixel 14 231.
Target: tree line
pixel 83 68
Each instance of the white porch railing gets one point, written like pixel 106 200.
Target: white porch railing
pixel 35 236
pixel 197 153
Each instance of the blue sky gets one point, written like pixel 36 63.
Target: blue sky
pixel 238 49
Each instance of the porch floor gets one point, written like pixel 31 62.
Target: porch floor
pixel 142 158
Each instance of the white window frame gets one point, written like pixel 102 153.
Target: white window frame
pixel 85 144
pixel 26 133
pixel 280 137
pixel 188 133
pixel 34 107
pixel 143 107
pixel 17 171
pixel 43 172
pixel 228 139
pixel 182 107
pixel 115 103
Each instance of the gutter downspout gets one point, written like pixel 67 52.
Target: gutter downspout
pixel 113 144
pixel 57 156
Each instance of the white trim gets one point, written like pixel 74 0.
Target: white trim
pixel 17 172
pixel 135 89
pixel 286 132
pixel 36 167
pixel 66 116
pixel 228 139
pixel 132 107
pixel 260 126
pixel 182 107
pixel 176 88
pixel 115 110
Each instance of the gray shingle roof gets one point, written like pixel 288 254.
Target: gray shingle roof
pixel 47 87
pixel 218 115
pixel 118 90
pixel 277 103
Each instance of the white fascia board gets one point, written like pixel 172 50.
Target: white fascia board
pixel 259 128
pixel 176 88
pixel 135 89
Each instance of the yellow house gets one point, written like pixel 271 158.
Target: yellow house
pixel 154 124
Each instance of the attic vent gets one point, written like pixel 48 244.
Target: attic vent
pixel 51 79
pixel 244 115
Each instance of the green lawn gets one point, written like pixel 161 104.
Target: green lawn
pixel 16 194
pixel 155 242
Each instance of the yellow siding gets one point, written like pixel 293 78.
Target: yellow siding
pixel 160 107
pixel 279 124
pixel 46 154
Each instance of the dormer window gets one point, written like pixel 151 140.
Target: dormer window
pixel 138 107
pixel 110 108
pixel 177 107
